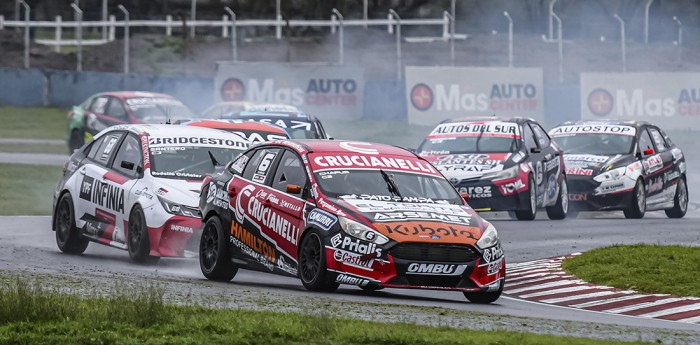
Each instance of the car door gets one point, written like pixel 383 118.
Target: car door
pixel 661 186
pixel 93 114
pixel 536 158
pixel 101 196
pixel 115 113
pixel 126 170
pixel 551 163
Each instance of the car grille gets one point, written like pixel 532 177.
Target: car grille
pixel 434 252
pixel 581 185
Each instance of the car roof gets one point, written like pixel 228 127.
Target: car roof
pixel 514 119
pixel 134 94
pixel 633 123
pixel 159 130
pixel 341 147
pixel 231 125
pixel 296 116
pixel 274 107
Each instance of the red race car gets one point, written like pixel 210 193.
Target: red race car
pixel 340 212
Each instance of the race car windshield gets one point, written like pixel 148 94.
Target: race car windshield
pixel 298 133
pixel 336 183
pixel 470 144
pixel 158 112
pixel 596 144
pixel 188 162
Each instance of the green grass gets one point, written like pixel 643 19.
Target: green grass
pixel 27 189
pixel 643 267
pixel 34 148
pixel 37 123
pixel 32 314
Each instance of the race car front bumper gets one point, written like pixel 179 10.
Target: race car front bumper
pixel 175 236
pixel 487 196
pixel 588 195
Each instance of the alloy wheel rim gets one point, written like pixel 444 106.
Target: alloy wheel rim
pixel 533 200
pixel 63 221
pixel 564 197
pixel 135 232
pixel 682 196
pixel 311 258
pixel 210 242
pixel 641 198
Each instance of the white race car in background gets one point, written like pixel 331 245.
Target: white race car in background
pixel 136 187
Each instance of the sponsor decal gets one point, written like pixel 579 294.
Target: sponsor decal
pixel 493 253
pixel 494 267
pixel 336 240
pixel 357 146
pixel 95 226
pixel 264 166
pixel 253 246
pixel 102 194
pixel 671 175
pixel 232 90
pixel 162 191
pixel 539 173
pixel 179 141
pixel 352 259
pixel 217 196
pixel 348 279
pixel 578 197
pixel 421 97
pixel 435 269
pixel 579 171
pixel 267 217
pixel 600 102
pixel 144 150
pixel 552 187
pixel 285 204
pixel 144 193
pixel 181 228
pixel 322 219
pixel 655 185
pixel 325 204
pixel 677 154
pixel 513 187
pixel 552 164
pixel 612 187
pixel 429 216
pixel 372 162
pixel 411 199
pixel 476 192
pixel 239 164
pixel 593 129
pixel 328 174
pixel 356 246
pixel 583 161
pixel 369 206
pixel 138 102
pixel 486 129
pixel 284 266
pixel 428 229
pixel 471 162
pixel 652 164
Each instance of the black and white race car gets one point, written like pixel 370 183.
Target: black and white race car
pixel 630 166
pixel 501 164
pixel 297 124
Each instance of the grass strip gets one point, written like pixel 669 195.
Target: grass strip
pixel 647 268
pixel 34 148
pixel 30 313
pixel 27 189
pixel 37 123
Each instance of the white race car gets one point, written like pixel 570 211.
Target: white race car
pixel 136 187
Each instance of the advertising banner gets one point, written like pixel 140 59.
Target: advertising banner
pixel 328 92
pixel 437 93
pixel 670 100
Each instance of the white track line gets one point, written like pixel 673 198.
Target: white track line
pixel 539 270
pixel 575 297
pixel 642 305
pixel 538 279
pixel 670 311
pixel 558 291
pixel 544 286
pixel 608 301
pixel 694 319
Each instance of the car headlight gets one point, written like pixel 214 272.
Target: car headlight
pixel 489 238
pixel 611 175
pixel 183 210
pixel 503 174
pixel 361 231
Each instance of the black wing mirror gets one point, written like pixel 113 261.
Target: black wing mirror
pixel 535 150
pixel 127 165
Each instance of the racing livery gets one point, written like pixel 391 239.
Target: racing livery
pixel 254 132
pixel 136 187
pixel 501 164
pixel 297 124
pixel 338 212
pixel 630 166
pixel 107 109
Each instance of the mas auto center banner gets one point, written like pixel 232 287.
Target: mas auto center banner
pixel 671 100
pixel 328 92
pixel 438 93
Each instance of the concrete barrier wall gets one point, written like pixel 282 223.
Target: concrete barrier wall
pixel 22 87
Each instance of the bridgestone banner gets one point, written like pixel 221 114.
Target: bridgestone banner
pixel 671 100
pixel 328 92
pixel 437 93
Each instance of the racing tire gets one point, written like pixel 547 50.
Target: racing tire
pixel 485 297
pixel 76 140
pixel 638 206
pixel 560 209
pixel 214 255
pixel 531 212
pixel 680 200
pixel 68 237
pixel 312 264
pixel 138 242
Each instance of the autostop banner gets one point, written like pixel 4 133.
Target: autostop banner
pixel 671 100
pixel 326 91
pixel 437 93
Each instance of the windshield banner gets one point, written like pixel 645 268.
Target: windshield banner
pixel 436 93
pixel 331 162
pixel 562 131
pixel 333 92
pixel 476 129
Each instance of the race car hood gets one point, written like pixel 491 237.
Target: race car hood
pixel 588 165
pixel 426 221
pixel 470 165
pixel 183 192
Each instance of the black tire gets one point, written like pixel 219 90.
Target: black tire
pixel 680 200
pixel 312 264
pixel 371 288
pixel 214 255
pixel 138 242
pixel 76 140
pixel 68 237
pixel 485 297
pixel 561 207
pixel 531 211
pixel 638 206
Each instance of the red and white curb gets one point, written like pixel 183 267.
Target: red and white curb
pixel 544 281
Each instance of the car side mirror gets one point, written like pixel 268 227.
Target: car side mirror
pixel 649 151
pixel 293 189
pixel 127 165
pixel 464 196
pixel 535 150
pixel 139 170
